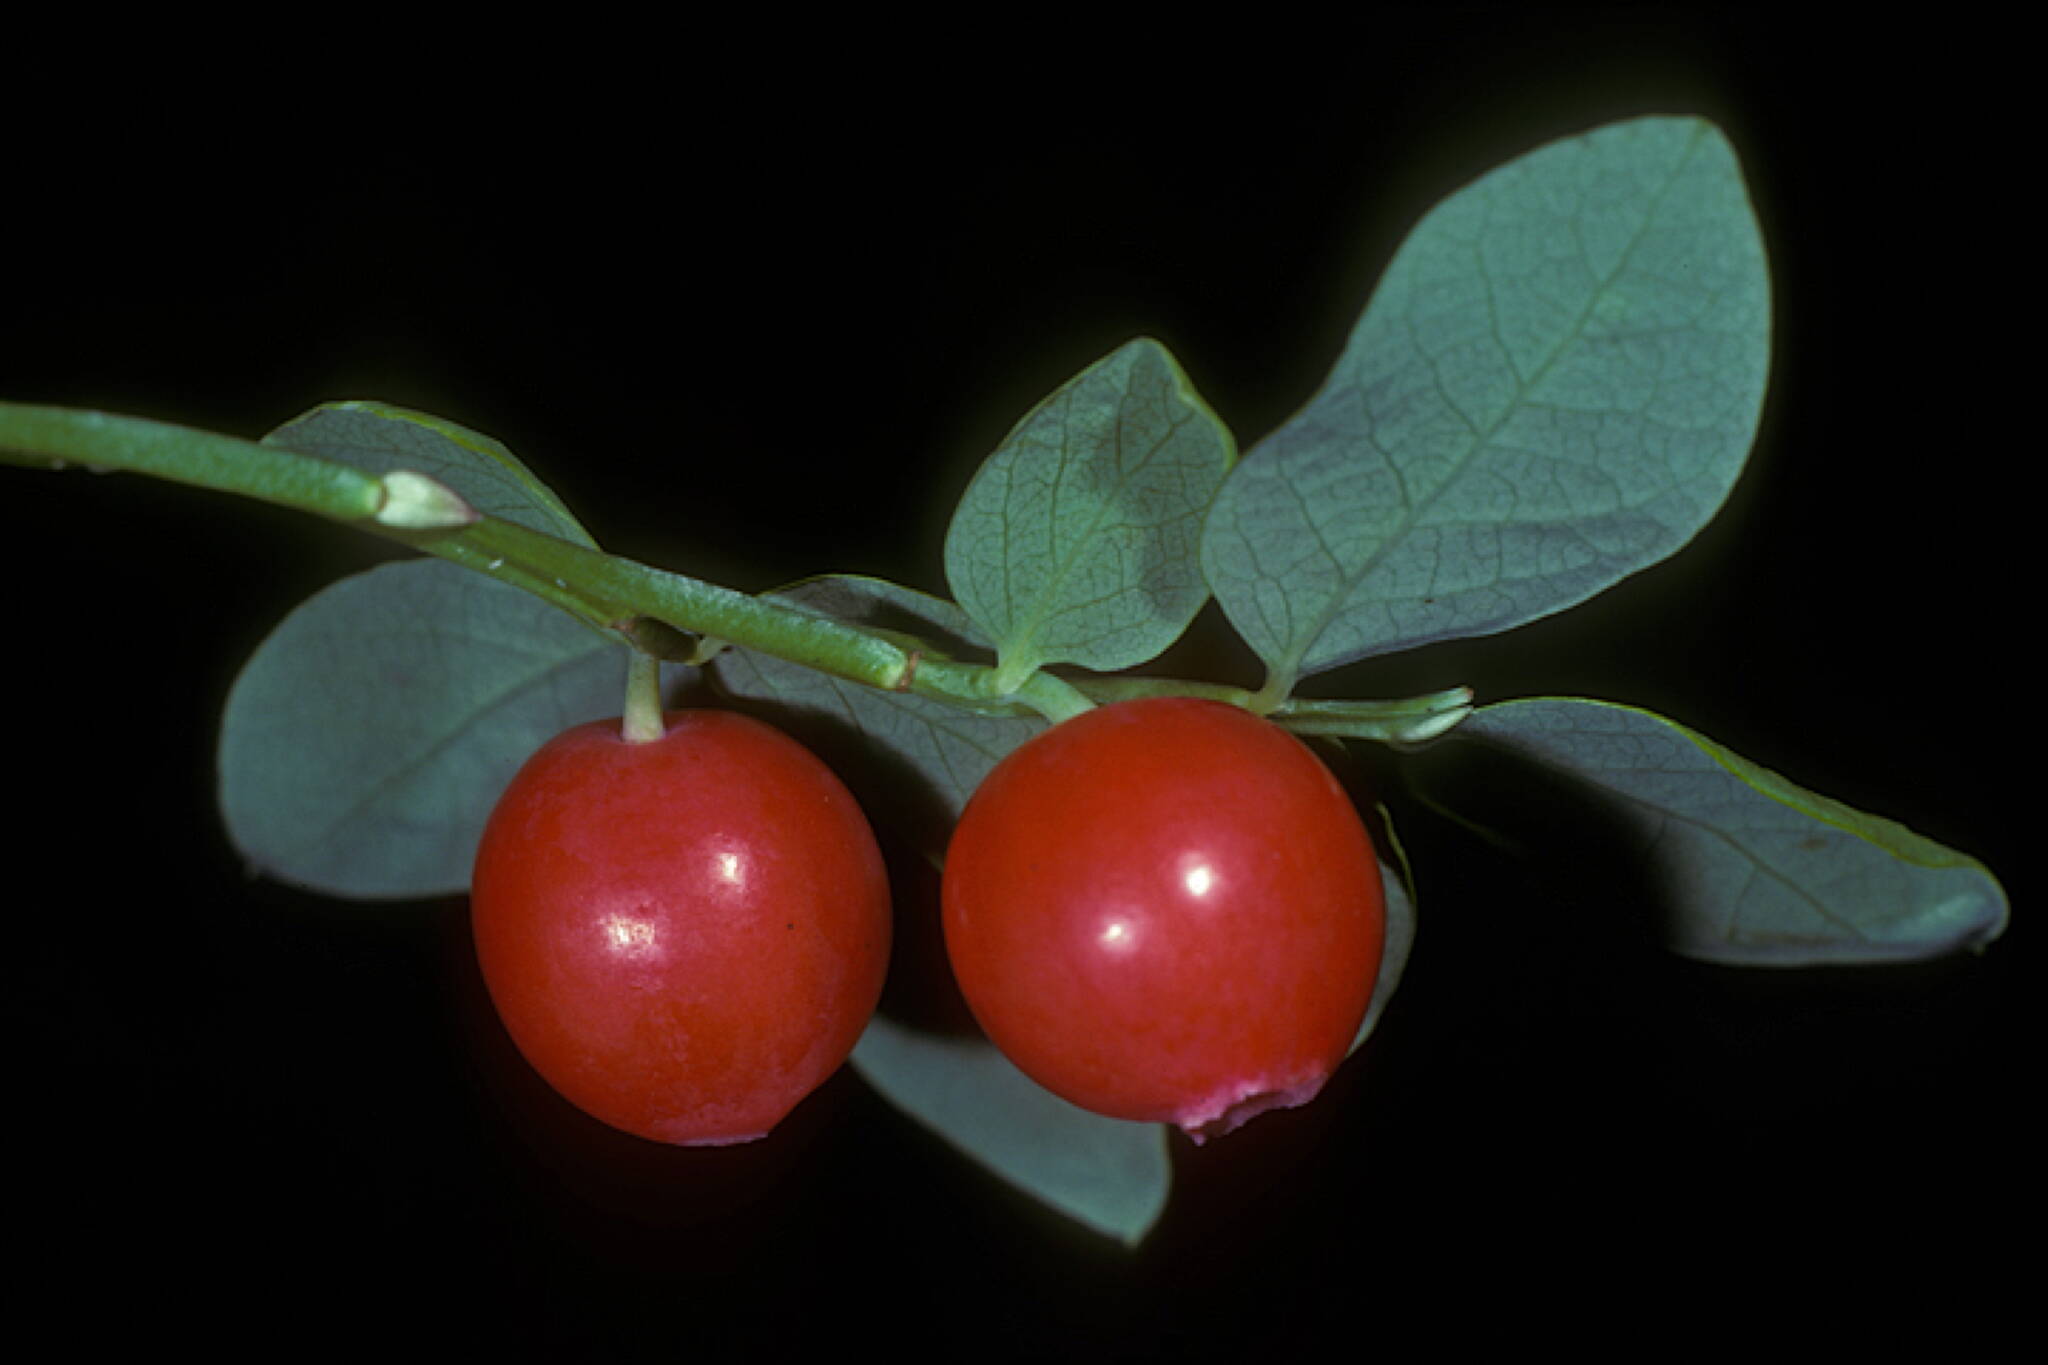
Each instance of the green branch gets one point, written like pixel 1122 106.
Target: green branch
pixel 54 438
pixel 631 600
pixel 1406 720
pixel 603 590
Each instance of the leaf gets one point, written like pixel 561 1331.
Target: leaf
pixel 932 756
pixel 1110 1174
pixel 1077 541
pixel 378 438
pixel 368 737
pixel 1398 887
pixel 1555 385
pixel 1753 870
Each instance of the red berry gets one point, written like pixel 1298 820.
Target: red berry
pixel 685 937
pixel 1167 910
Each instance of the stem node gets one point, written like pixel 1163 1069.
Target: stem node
pixel 909 671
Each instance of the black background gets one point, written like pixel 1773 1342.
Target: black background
pixel 755 304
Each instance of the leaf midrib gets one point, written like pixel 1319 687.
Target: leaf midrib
pixel 1349 581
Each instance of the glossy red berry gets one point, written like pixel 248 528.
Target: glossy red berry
pixel 1168 910
pixel 685 937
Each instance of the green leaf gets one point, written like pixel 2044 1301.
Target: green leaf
pixel 1752 870
pixel 1555 385
pixel 924 758
pixel 1112 1175
pixel 1077 541
pixel 368 737
pixel 378 438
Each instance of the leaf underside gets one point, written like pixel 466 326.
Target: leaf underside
pixel 1746 867
pixel 1108 1174
pixel 366 740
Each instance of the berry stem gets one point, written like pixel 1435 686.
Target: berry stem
pixel 642 722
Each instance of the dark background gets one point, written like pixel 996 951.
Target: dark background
pixel 756 304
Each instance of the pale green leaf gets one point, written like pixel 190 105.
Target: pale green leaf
pixel 1077 541
pixel 1555 385
pixel 378 438
pixel 368 737
pixel 1110 1174
pixel 1750 869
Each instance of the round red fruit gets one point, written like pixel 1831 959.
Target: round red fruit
pixel 685 936
pixel 1168 910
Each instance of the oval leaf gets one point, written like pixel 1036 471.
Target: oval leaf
pixel 368 737
pixel 1753 870
pixel 1554 386
pixel 1077 541
pixel 378 438
pixel 1112 1175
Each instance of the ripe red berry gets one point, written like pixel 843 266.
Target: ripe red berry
pixel 1168 910
pixel 686 936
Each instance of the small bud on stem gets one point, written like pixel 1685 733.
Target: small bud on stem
pixel 414 502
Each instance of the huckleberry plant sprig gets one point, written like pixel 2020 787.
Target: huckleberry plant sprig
pixel 1555 385
pixel 609 592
